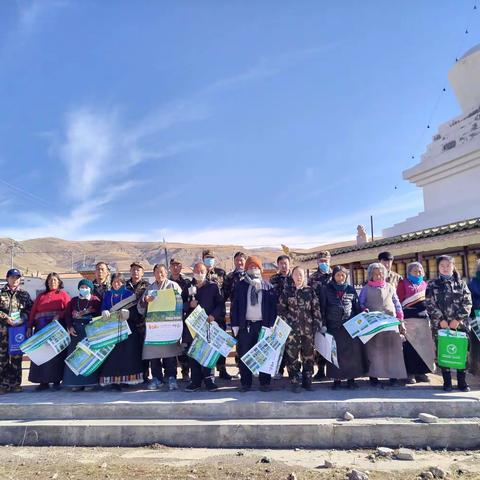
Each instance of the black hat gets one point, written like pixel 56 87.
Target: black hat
pixel 14 272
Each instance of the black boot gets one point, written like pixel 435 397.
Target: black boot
pixel 447 380
pixel 223 374
pixel 462 381
pixel 307 382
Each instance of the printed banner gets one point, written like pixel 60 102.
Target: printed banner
pixel 326 345
pixel 266 355
pixel 210 341
pixel 163 322
pixel 84 360
pixel 103 333
pixel 47 343
pixel 367 324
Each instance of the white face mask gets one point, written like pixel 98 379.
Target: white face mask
pixel 254 272
pixel 199 277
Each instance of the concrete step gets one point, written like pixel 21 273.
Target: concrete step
pixel 241 433
pixel 227 404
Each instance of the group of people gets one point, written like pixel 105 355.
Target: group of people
pixel 322 303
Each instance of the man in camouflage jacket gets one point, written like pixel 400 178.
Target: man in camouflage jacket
pixel 300 307
pixel 318 280
pixel 14 302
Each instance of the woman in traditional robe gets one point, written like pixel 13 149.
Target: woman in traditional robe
pixel 48 306
pixel 339 303
pixel 418 349
pixel 79 313
pixel 384 351
pixel 123 366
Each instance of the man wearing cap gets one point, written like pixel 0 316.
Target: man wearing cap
pixel 254 306
pixel 102 280
pixel 217 275
pixel 138 285
pixel 184 283
pixel 15 306
pixel 393 278
pixel 318 280
pixel 176 274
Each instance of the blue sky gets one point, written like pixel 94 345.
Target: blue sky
pixel 248 122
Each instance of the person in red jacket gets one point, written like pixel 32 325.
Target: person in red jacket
pixel 49 305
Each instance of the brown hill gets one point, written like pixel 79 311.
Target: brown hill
pixel 44 255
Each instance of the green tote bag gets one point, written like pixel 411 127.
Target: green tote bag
pixel 452 349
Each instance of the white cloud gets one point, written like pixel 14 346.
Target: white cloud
pixel 32 12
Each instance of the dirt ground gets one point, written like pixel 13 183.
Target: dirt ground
pixel 160 462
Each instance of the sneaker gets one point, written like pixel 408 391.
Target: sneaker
pixel 192 388
pixel 423 378
pixel 411 380
pixel 154 384
pixel 210 386
pixel 447 387
pixel 172 384
pixel 464 388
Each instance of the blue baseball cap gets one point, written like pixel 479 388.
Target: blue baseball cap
pixel 14 272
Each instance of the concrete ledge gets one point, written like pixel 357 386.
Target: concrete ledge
pixel 313 433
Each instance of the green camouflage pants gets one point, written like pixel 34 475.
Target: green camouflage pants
pixel 302 345
pixel 10 365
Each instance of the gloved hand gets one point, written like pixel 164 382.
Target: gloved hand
pixel 124 314
pixel 192 290
pixel 105 314
pixel 235 331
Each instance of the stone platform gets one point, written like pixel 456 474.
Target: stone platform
pixel 228 418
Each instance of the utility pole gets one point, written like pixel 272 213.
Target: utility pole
pixel 166 253
pixel 371 225
pixel 71 260
pixel 11 254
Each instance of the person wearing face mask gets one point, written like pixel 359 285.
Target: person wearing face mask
pixel 205 293
pixel 449 303
pixel 386 259
pixel 123 366
pixel 162 357
pixel 49 305
pixel 418 348
pixel 101 282
pixel 299 306
pixel 15 306
pixel 384 351
pixel 318 280
pixel 184 283
pixel 339 303
pixel 217 275
pixel 80 312
pixel 254 306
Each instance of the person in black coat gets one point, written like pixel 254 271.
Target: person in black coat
pixel 339 303
pixel 206 294
pixel 254 306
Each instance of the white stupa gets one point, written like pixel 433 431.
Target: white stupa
pixel 449 171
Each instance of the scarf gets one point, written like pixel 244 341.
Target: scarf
pixel 376 283
pixel 256 285
pixel 340 287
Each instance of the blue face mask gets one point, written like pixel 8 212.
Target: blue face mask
pixel 209 262
pixel 323 267
pixel 84 292
pixel 415 280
